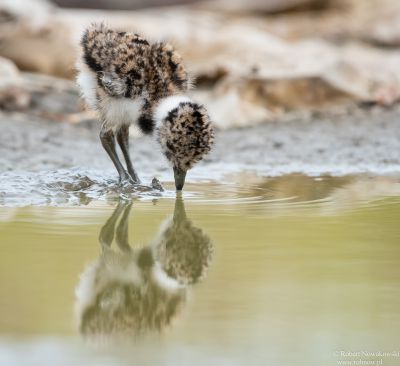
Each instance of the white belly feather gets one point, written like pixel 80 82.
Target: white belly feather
pixel 120 111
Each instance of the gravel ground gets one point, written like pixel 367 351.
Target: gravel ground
pixel 367 142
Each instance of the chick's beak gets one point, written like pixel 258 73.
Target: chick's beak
pixel 179 176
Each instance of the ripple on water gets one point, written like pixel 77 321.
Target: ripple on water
pixel 294 193
pixel 247 191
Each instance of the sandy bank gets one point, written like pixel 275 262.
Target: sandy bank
pixel 366 142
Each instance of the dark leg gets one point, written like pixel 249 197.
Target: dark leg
pixel 108 141
pixel 123 141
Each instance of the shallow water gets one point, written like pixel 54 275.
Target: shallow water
pixel 288 270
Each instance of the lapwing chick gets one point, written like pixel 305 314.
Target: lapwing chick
pixel 131 81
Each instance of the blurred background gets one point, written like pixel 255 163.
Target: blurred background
pixel 300 194
pixel 253 61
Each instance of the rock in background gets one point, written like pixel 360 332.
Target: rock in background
pixel 267 6
pixel 119 4
pixel 13 95
pixel 254 61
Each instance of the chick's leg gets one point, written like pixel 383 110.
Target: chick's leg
pixel 123 141
pixel 108 141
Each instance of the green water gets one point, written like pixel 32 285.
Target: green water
pixel 280 271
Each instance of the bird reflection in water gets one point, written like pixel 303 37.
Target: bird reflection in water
pixel 132 291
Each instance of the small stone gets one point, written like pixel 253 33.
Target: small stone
pixel 155 184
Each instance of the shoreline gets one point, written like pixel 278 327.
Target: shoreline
pixel 55 163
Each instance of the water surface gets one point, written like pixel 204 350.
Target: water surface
pixel 286 270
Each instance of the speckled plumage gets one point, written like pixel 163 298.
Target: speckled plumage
pixel 186 135
pixel 128 80
pixel 126 65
